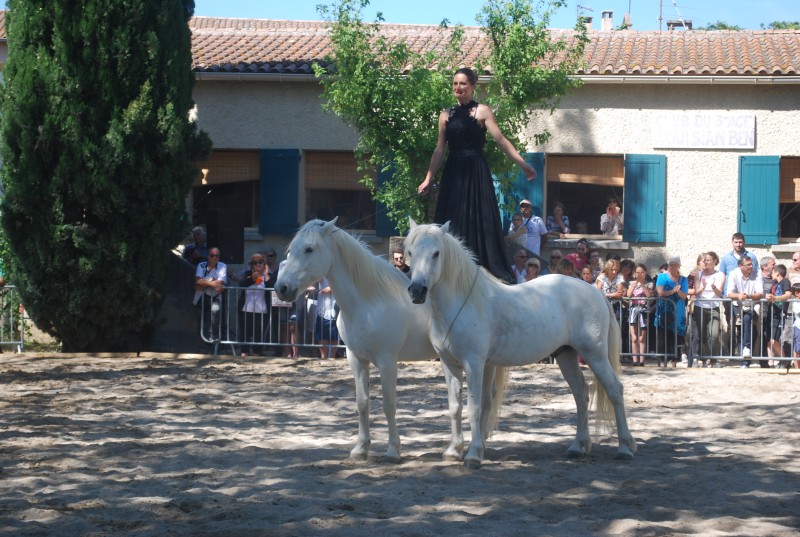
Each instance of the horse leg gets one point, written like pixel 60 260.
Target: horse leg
pixel 474 373
pixel 387 367
pixel 487 389
pixel 567 361
pixel 453 378
pixel 360 369
pixel 609 382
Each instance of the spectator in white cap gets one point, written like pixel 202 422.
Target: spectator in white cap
pixel 534 225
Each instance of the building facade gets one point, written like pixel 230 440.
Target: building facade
pixel 695 132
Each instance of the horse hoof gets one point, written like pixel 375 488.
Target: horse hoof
pixel 625 455
pixel 359 454
pixel 575 454
pixel 472 464
pixel 392 459
pixel 452 455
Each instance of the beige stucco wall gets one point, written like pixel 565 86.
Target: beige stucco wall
pixel 595 119
pixel 262 115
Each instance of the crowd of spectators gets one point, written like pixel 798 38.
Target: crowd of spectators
pixel 735 307
pixel 240 306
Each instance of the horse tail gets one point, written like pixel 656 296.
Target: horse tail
pixel 498 390
pixel 603 406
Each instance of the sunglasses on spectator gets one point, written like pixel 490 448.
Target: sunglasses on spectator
pixel 213 255
pixel 258 262
pixel 555 257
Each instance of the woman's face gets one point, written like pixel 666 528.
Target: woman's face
pixel 586 274
pixel 517 220
pixel 558 211
pixel 462 89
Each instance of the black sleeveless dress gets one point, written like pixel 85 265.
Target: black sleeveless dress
pixel 466 193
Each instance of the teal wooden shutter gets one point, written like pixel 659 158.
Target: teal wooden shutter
pixel 759 198
pixel 384 227
pixel 532 190
pixel 522 189
pixel 645 198
pixel 279 191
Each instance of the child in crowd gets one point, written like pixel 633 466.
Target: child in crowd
pixel 518 233
pixel 796 329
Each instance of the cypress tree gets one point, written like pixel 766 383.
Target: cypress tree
pixel 98 152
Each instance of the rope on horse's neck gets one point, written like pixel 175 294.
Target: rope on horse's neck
pixel 475 279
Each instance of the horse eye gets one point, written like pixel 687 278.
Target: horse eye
pixel 408 253
pixel 309 249
pixel 435 254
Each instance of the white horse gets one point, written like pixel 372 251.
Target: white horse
pixel 377 323
pixel 478 321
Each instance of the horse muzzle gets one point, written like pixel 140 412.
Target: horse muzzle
pixel 286 293
pixel 418 292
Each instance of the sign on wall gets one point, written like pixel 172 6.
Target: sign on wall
pixel 704 130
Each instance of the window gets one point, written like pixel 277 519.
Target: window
pixel 229 180
pixel 789 205
pixel 584 185
pixel 333 189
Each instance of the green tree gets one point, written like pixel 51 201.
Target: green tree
pixel 98 151
pixel 391 92
pixel 720 25
pixel 783 25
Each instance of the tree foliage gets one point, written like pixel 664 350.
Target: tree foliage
pixel 783 25
pixel 97 147
pixel 391 92
pixel 720 25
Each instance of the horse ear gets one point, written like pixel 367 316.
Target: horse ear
pixel 446 227
pixel 328 226
pixel 411 224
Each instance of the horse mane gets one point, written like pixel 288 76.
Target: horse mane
pixel 460 267
pixel 373 276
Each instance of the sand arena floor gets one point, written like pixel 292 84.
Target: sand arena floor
pixel 188 445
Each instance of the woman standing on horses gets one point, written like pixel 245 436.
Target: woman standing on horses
pixel 466 196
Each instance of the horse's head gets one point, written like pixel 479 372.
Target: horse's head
pixel 423 250
pixel 308 259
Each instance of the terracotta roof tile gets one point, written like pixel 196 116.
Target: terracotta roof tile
pixel 291 47
pixel 273 46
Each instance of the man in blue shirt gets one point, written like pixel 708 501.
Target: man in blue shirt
pixel 730 261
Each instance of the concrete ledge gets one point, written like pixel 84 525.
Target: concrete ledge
pixel 599 244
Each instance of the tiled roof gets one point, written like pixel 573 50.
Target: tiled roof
pixel 289 47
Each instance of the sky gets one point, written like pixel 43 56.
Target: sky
pixel 749 14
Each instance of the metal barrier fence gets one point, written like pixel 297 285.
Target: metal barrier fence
pixel 753 331
pixel 651 328
pixel 12 318
pixel 254 321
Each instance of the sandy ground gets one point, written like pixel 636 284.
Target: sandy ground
pixel 197 446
